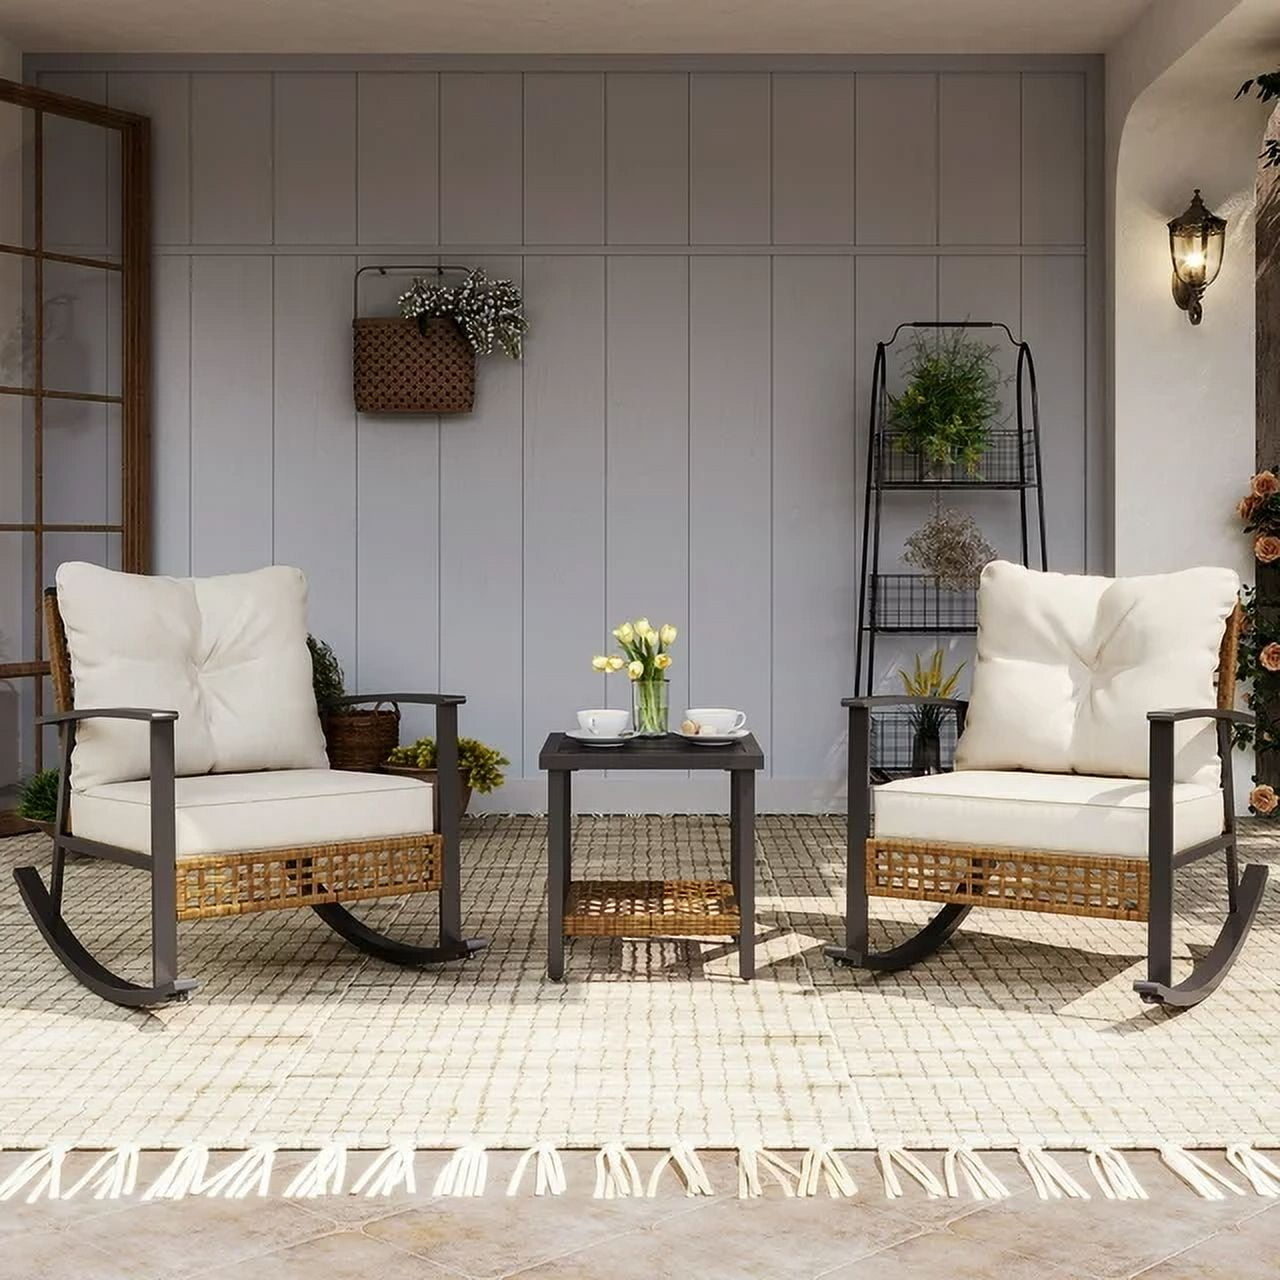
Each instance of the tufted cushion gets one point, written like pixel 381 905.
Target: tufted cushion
pixel 1052 812
pixel 228 654
pixel 238 812
pixel 1068 667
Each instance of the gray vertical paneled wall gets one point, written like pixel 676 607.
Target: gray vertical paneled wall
pixel 708 254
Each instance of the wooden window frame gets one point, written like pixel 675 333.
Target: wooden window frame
pixel 134 399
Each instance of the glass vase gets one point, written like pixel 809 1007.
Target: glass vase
pixel 649 708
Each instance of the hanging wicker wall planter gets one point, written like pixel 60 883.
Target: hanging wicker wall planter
pixel 401 367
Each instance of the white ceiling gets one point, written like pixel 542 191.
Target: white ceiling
pixel 566 26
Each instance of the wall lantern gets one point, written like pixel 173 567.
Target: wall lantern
pixel 1196 240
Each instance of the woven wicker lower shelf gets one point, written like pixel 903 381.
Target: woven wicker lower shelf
pixel 651 909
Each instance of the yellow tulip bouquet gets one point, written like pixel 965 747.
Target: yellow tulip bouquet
pixel 645 656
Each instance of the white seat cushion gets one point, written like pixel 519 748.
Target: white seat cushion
pixel 237 812
pixel 228 654
pixel 1068 667
pixel 1050 812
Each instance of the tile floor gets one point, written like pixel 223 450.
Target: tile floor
pixel 1173 1236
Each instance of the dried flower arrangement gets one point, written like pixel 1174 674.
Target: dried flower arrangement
pixel 950 547
pixel 487 311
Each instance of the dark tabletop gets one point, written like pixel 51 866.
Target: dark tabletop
pixel 671 752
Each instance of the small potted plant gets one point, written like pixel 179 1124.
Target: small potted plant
pixel 479 767
pixel 38 800
pixel 944 413
pixel 926 721
pixel 645 658
pixel 356 738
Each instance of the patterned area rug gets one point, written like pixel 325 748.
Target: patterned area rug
pixel 1024 1029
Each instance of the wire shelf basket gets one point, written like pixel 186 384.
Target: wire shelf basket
pixel 918 604
pixel 1008 462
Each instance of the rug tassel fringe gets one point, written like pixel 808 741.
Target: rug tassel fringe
pixel 982 1181
pixel 112 1175
pixel 1202 1178
pixel 823 1164
pixel 1114 1177
pixel 43 1169
pixel 548 1176
pixel 182 1176
pixel 387 1172
pixel 1263 1174
pixel 687 1164
pixel 888 1157
pixel 754 1162
pixel 1049 1178
pixel 616 1174
pixel 464 1174
pixel 249 1174
pixel 322 1175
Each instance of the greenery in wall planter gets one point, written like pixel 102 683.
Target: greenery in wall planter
pixel 1266 87
pixel 945 412
pixel 38 800
pixel 489 312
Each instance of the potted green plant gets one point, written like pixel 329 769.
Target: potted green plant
pixel 479 767
pixel 928 682
pixel 952 396
pixel 356 738
pixel 38 800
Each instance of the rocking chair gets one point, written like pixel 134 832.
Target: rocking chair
pixel 224 796
pixel 1085 776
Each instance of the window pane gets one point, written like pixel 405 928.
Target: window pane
pixel 81 329
pixel 17 476
pixel 81 188
pixel 81 462
pixel 17 224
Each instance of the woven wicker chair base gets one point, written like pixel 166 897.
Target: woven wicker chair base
pixel 651 909
pixel 236 884
pixel 1032 880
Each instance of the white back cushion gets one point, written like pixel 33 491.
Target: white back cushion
pixel 1068 667
pixel 228 654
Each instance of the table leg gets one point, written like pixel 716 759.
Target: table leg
pixel 559 838
pixel 742 837
pixel 733 828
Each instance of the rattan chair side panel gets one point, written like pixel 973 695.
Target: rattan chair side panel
pixel 59 657
pixel 236 884
pixel 1228 655
pixel 1021 879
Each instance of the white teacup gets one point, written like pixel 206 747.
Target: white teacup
pixel 603 723
pixel 717 719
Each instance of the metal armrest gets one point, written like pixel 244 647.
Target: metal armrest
pixel 424 699
pixel 902 699
pixel 1228 714
pixel 108 713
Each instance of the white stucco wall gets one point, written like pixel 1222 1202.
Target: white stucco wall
pixel 1183 397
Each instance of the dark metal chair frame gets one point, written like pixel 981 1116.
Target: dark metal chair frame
pixel 45 902
pixel 1244 891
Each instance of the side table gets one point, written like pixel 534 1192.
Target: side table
pixel 651 908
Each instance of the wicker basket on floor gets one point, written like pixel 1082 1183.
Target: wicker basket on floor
pixel 361 740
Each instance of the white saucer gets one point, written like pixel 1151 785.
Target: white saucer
pixel 600 739
pixel 713 739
